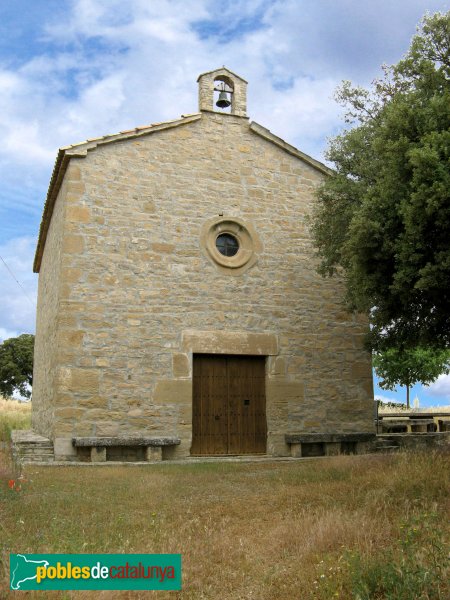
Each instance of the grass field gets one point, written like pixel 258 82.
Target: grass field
pixel 13 415
pixel 367 527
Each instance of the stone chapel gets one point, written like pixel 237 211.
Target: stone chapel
pixel 179 308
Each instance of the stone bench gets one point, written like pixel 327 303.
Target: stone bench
pixel 328 444
pixel 443 425
pixel 407 425
pixel 98 445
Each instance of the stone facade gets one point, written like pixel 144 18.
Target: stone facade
pixel 128 290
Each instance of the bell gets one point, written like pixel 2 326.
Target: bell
pixel 223 101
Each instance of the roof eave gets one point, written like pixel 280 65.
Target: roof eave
pixel 269 136
pixel 80 150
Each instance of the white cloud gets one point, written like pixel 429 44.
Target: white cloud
pixel 5 334
pixel 143 68
pixel 384 398
pixel 9 83
pixel 17 302
pixel 440 388
pixel 114 65
pixel 302 115
pixel 24 141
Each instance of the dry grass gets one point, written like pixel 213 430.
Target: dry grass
pixel 385 410
pixel 13 415
pixel 245 531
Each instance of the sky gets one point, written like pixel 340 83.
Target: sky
pixel 76 69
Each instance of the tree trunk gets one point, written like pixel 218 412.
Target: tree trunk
pixel 407 396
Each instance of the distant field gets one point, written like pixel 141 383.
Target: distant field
pixel 382 409
pixel 13 415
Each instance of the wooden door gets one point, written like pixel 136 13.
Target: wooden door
pixel 229 405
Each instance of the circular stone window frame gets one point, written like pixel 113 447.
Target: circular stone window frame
pixel 248 240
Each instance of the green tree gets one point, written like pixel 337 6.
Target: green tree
pixel 406 367
pixel 382 219
pixel 16 365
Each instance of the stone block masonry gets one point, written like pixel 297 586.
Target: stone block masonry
pixel 127 293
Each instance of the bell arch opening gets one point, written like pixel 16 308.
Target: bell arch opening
pixel 223 94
